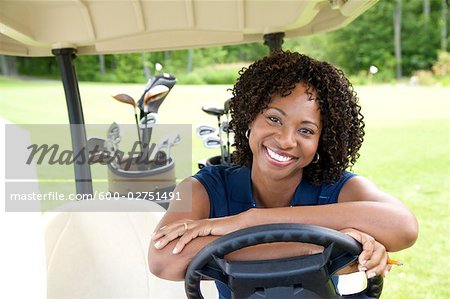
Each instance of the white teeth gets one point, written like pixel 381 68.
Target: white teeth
pixel 277 157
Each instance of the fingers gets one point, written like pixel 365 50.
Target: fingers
pixel 185 230
pixel 377 264
pixel 368 244
pixel 366 254
pixel 168 233
pixel 387 270
pixel 187 237
pixel 373 258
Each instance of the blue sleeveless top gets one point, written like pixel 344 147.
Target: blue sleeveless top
pixel 230 192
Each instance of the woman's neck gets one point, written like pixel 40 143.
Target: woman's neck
pixel 270 193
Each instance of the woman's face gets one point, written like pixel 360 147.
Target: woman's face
pixel 285 136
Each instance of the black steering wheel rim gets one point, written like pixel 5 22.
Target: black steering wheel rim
pixel 341 249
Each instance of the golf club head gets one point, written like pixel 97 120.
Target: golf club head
pixel 150 120
pixel 173 139
pixel 225 127
pixel 110 146
pixel 164 143
pixel 114 133
pixel 99 150
pixel 212 142
pixel 201 164
pixel 124 98
pixel 213 110
pixel 226 106
pixel 152 104
pixel 203 131
pixel 161 158
pixel 155 93
pixel 97 144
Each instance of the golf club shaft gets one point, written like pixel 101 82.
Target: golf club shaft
pixel 222 152
pixel 138 130
pixel 146 136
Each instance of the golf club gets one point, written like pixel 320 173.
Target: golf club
pixel 154 94
pixel 226 111
pixel 148 122
pixel 124 98
pixel 173 139
pixel 225 128
pixel 113 138
pixel 204 130
pixel 212 142
pixel 157 155
pixel 218 112
pixel 114 134
pixel 96 150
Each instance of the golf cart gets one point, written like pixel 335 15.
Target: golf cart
pixel 93 254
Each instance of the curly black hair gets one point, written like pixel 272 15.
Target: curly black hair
pixel 342 122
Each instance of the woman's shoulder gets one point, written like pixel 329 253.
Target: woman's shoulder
pixel 225 186
pixel 337 185
pixel 327 193
pixel 221 171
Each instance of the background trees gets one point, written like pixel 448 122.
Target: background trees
pixel 399 37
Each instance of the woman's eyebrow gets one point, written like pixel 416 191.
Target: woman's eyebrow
pixel 278 109
pixel 311 123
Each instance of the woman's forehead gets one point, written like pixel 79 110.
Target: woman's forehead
pixel 298 89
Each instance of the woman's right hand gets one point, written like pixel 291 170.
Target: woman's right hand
pixel 185 230
pixel 374 257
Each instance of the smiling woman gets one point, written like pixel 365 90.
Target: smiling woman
pixel 298 128
pixel 284 138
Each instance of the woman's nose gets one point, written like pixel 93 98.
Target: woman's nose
pixel 286 138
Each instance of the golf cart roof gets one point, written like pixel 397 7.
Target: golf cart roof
pixel 34 28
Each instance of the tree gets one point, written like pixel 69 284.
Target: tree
pixel 397 37
pixel 146 65
pixel 444 26
pixel 190 60
pixel 426 8
pixel 366 41
pixel 128 68
pixel 101 61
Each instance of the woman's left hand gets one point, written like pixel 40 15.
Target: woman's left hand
pixel 188 230
pixel 374 257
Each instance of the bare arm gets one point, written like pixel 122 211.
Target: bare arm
pixel 382 217
pixel 362 206
pixel 167 265
pixel 195 205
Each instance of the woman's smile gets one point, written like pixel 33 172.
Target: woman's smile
pixel 278 158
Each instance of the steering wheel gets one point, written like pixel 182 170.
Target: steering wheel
pixel 296 277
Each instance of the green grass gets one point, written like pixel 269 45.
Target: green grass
pixel 406 153
pixel 412 162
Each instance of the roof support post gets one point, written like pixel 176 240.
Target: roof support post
pixel 83 178
pixel 274 41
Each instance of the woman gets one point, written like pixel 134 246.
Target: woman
pixel 298 127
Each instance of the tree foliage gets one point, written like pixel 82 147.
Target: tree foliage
pixel 369 40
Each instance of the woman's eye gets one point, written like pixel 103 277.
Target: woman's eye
pixel 273 119
pixel 306 131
